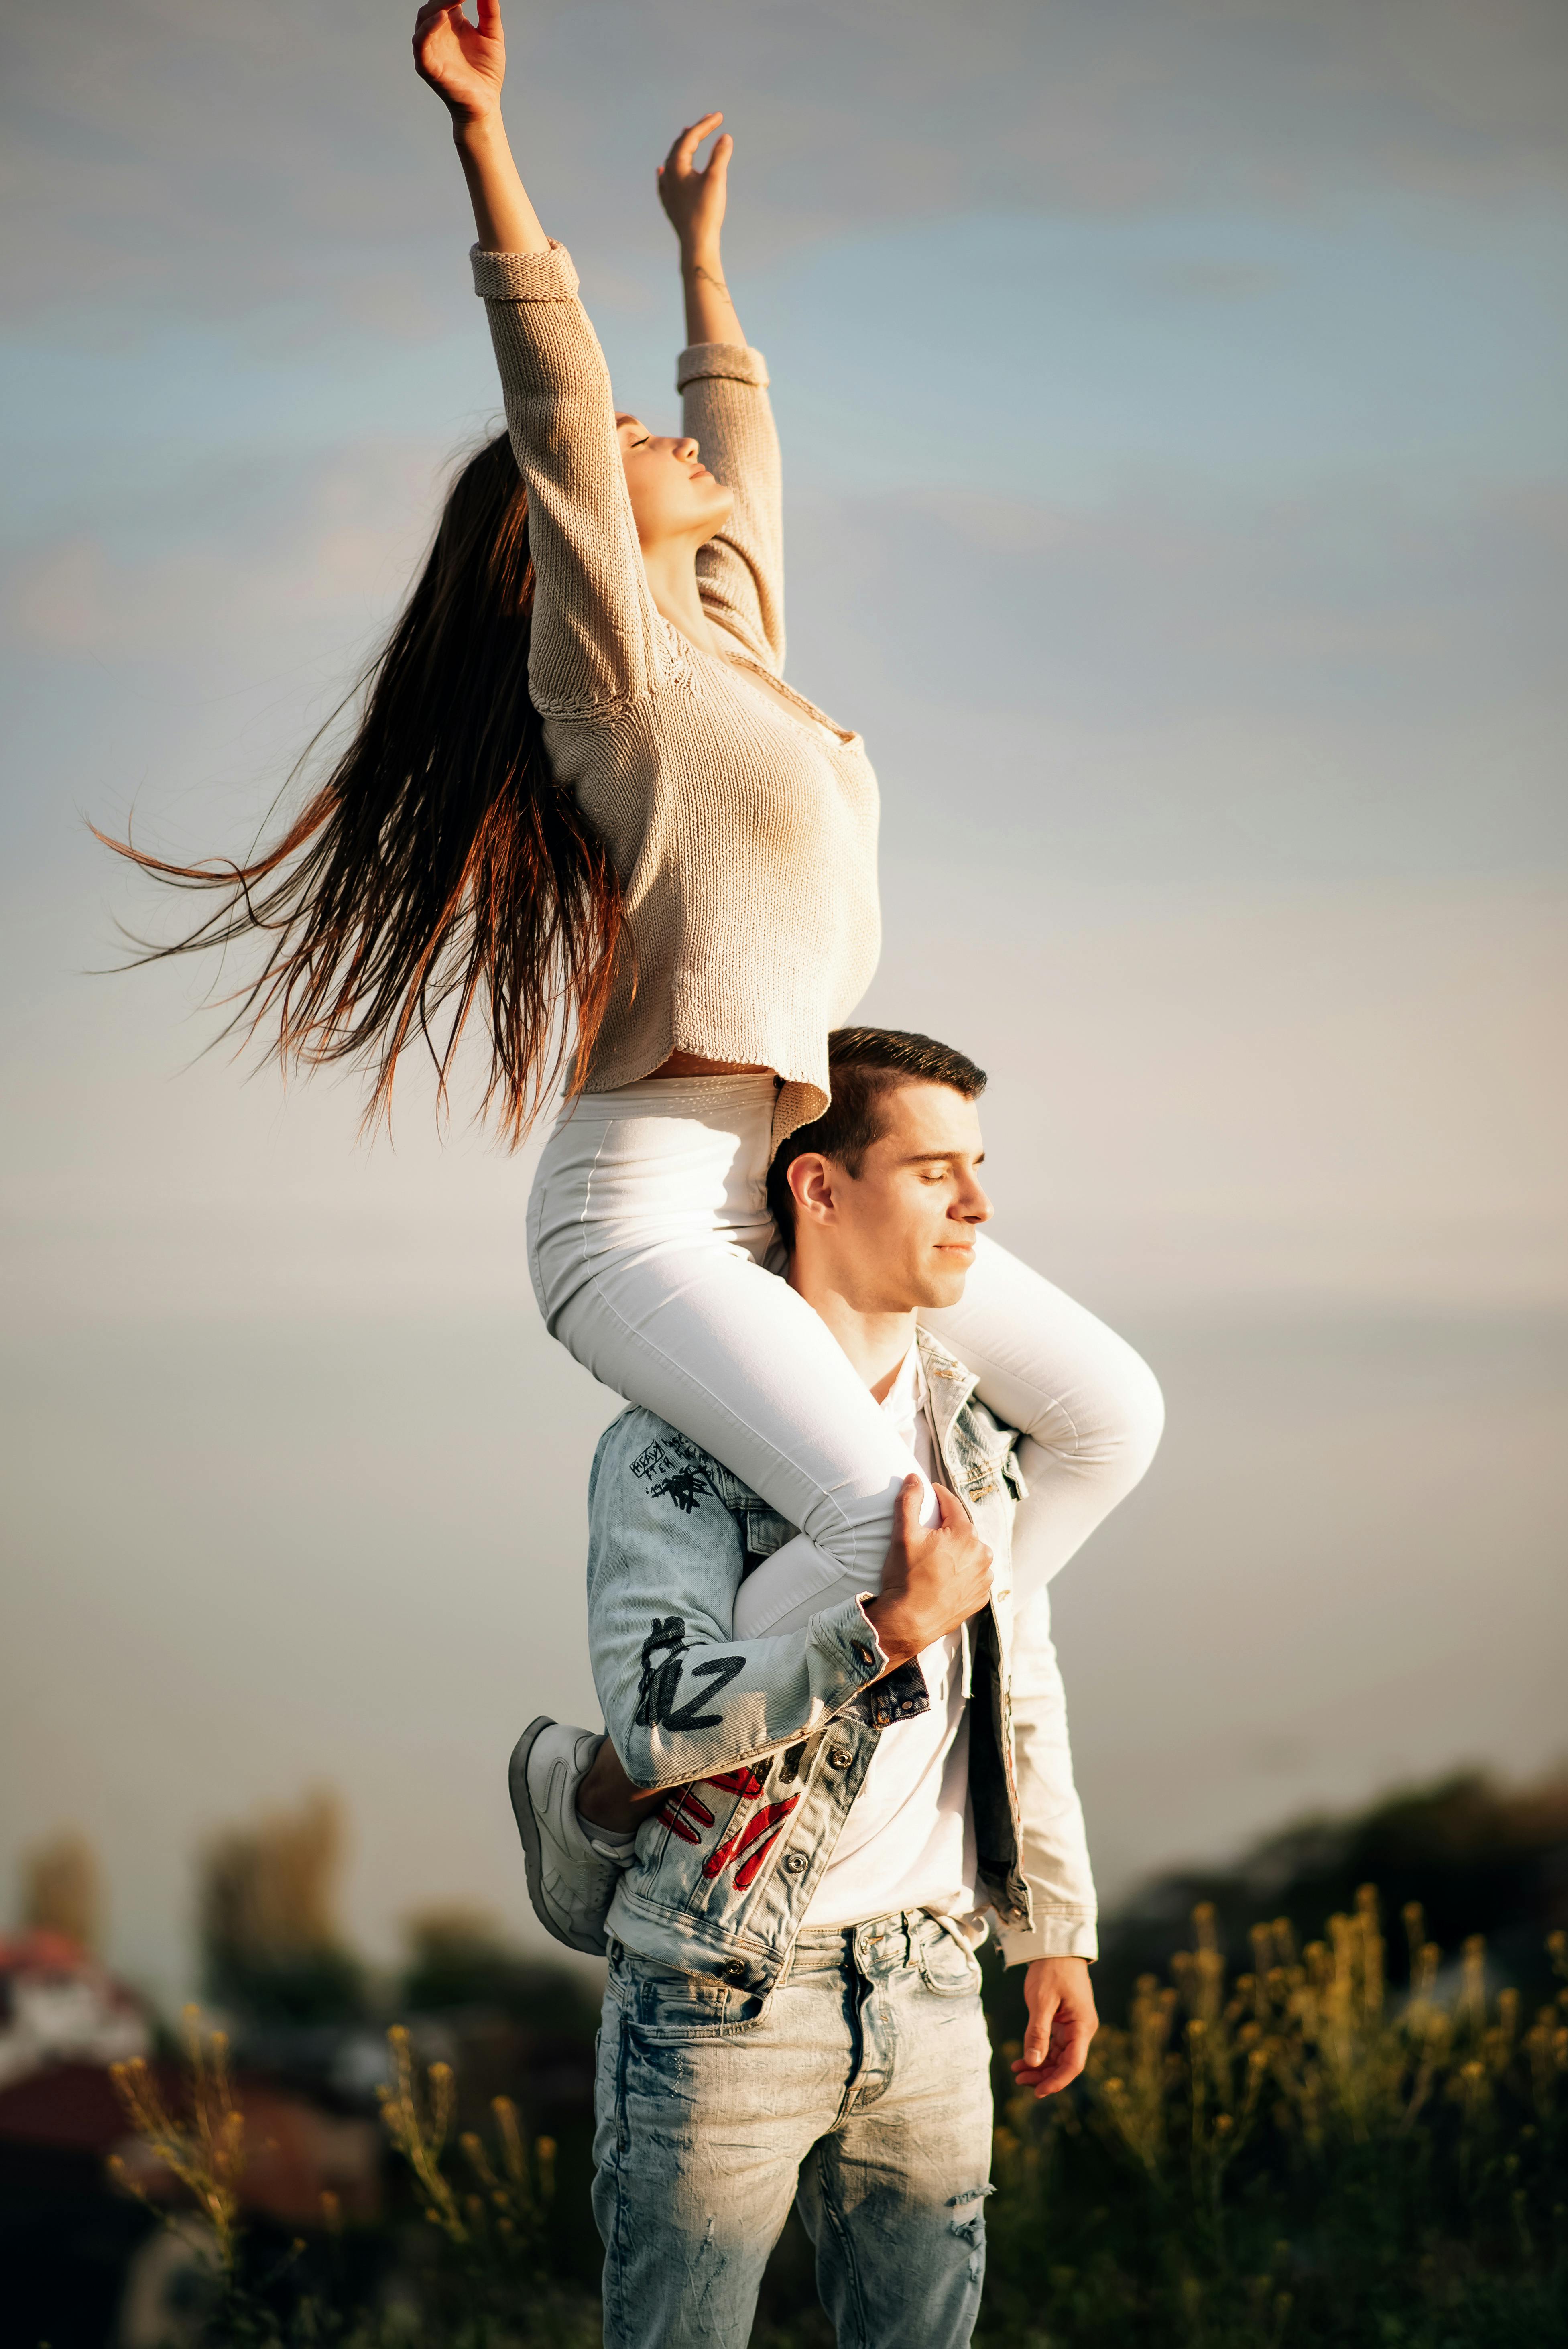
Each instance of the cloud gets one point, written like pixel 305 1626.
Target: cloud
pixel 1161 604
pixel 300 556
pixel 196 155
pixel 1185 690
pixel 1329 1094
pixel 1231 348
pixel 1157 688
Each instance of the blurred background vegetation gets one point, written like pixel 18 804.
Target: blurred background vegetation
pixel 1318 2112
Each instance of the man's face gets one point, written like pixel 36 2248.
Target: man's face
pixel 901 1234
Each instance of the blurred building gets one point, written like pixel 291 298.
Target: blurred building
pixel 273 1951
pixel 62 1888
pixel 59 2005
pixel 82 2263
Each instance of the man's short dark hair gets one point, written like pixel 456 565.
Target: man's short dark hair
pixel 864 1065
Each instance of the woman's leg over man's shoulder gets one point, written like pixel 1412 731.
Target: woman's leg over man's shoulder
pixel 647 1225
pixel 1089 1406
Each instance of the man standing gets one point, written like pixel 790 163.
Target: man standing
pixel 788 1837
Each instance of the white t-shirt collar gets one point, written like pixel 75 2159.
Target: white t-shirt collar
pixel 906 1398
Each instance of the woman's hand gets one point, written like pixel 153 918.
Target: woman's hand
pixel 464 64
pixel 693 199
pixel 695 202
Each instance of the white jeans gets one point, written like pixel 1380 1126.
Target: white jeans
pixel 648 1230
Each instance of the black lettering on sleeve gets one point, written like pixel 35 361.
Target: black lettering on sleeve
pixel 661 1675
pixel 720 1670
pixel 684 1488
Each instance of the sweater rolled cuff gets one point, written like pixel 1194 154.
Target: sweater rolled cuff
pixel 1064 1935
pixel 524 277
pixel 738 361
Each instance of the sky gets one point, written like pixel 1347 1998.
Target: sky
pixel 1174 396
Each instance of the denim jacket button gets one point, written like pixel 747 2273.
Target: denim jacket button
pixel 841 1757
pixel 736 1969
pixel 795 1861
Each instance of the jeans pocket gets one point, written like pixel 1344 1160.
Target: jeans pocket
pixel 947 1965
pixel 663 2005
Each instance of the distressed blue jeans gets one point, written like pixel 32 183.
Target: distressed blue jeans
pixel 859 2087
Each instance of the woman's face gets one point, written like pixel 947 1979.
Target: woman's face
pixel 673 496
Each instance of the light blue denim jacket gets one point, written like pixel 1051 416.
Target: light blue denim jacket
pixel 766 1742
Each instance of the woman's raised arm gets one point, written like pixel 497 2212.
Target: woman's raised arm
pixel 465 64
pixel 596 638
pixel 724 395
pixel 695 202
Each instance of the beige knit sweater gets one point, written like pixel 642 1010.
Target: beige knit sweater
pixel 744 835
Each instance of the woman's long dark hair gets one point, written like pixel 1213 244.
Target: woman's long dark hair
pixel 438 865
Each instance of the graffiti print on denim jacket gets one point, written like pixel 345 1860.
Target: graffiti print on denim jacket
pixel 748 1841
pixel 683 1484
pixel 663 1661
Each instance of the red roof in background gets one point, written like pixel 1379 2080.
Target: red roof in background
pixel 38 1951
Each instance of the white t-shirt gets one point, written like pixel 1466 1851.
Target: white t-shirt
pixel 909 1839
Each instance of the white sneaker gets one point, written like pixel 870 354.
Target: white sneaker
pixel 570 1883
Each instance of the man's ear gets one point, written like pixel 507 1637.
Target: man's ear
pixel 810 1178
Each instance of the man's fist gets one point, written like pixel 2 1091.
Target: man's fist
pixel 933 1578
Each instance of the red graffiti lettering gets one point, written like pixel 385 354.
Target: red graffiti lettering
pixel 759 1825
pixel 685 1814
